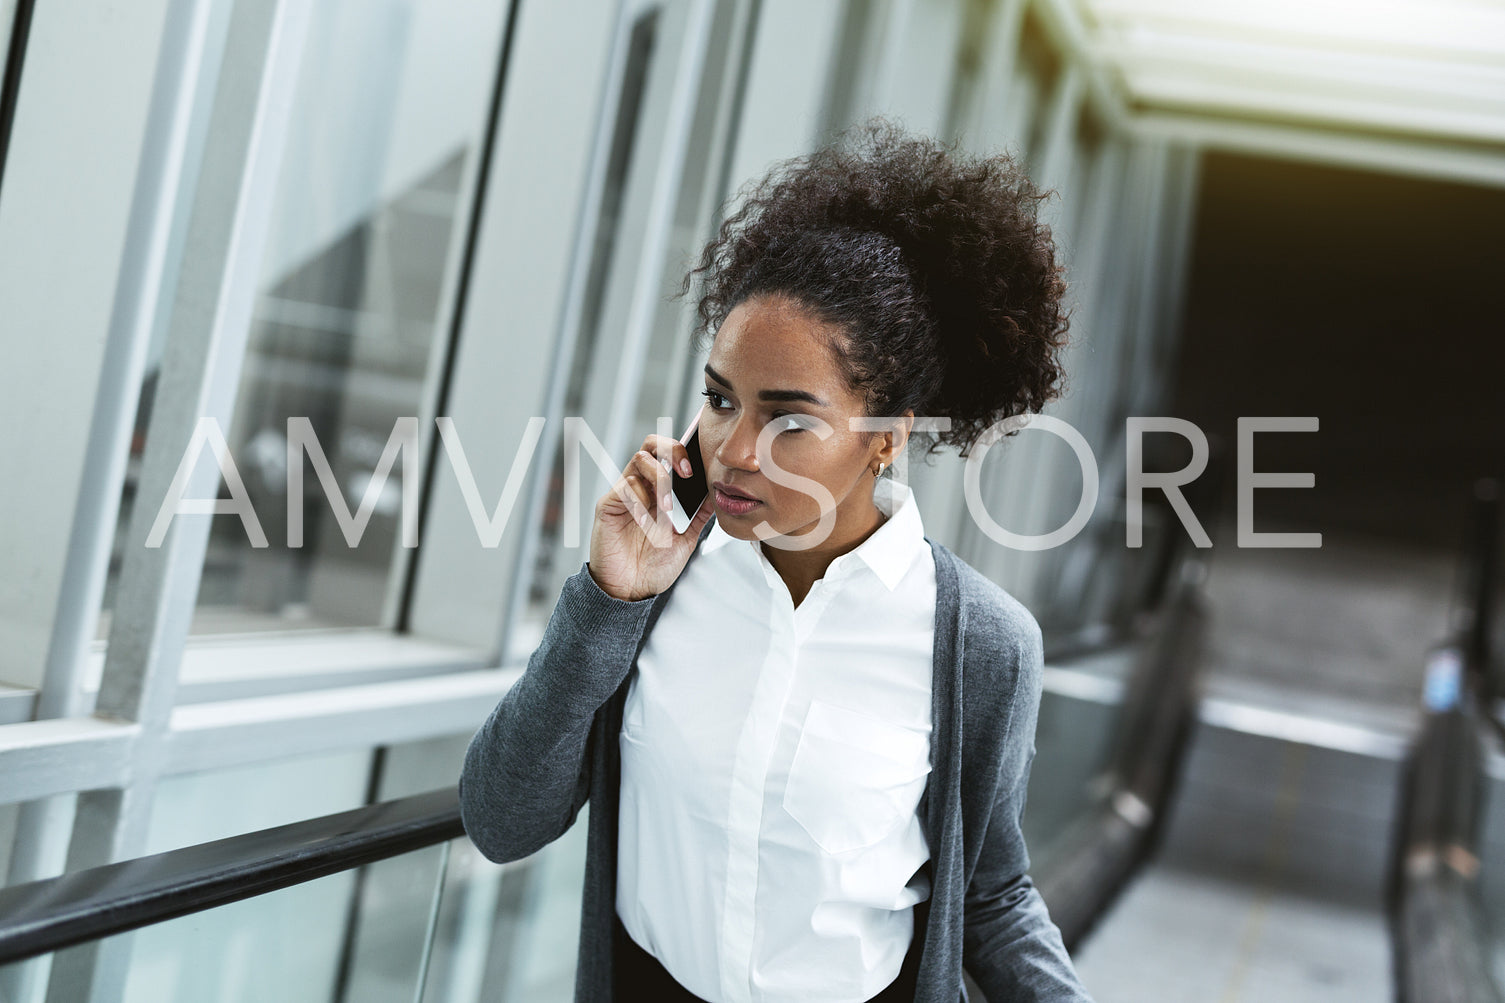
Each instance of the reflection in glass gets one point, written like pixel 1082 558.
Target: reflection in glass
pixel 355 285
pixel 509 934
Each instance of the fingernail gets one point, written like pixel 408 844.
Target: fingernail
pixel 684 467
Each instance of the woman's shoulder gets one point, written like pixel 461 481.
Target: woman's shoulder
pixel 994 620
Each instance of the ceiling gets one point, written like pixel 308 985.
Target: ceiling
pixel 1425 68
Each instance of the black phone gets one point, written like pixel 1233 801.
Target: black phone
pixel 689 492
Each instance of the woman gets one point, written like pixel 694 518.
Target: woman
pixel 805 729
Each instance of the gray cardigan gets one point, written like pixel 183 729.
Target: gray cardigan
pixel 551 744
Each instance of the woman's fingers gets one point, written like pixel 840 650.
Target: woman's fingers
pixel 653 473
pixel 672 449
pixel 630 495
pixel 635 493
pixel 644 489
pixel 619 561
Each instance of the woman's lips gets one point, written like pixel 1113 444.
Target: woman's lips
pixel 733 504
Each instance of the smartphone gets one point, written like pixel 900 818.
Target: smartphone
pixel 689 492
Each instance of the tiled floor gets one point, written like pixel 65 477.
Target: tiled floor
pixel 1181 937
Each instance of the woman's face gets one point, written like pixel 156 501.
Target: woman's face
pixel 769 369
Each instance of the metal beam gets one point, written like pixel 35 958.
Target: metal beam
pixel 1305 66
pixel 211 317
pixel 1381 110
pixel 41 758
pixel 1064 26
pixel 217 736
pixel 1447 28
pixel 1454 162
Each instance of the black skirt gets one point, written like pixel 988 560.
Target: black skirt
pixel 636 974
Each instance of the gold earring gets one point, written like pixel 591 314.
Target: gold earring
pixel 879 472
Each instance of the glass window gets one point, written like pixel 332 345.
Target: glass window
pixel 349 329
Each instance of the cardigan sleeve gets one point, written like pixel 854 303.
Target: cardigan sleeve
pixel 527 769
pixel 1010 945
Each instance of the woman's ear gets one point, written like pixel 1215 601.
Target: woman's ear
pixel 895 438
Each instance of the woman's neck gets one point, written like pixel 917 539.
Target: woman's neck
pixel 801 569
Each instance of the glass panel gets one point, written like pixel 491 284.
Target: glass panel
pixel 34 841
pixel 195 808
pixel 510 933
pixel 499 933
pixel 640 148
pixel 629 117
pixel 347 330
pixel 391 914
pixel 333 939
pixel 419 767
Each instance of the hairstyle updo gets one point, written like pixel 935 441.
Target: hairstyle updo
pixel 931 263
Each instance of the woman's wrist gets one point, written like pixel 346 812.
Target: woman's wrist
pixel 586 650
pixel 591 574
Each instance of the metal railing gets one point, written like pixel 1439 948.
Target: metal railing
pixel 1442 944
pixel 44 916
pixel 1094 859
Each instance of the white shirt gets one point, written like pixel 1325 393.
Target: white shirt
pixel 773 759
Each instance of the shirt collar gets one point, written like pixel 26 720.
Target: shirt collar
pixel 889 550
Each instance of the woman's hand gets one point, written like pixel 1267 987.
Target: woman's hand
pixel 634 551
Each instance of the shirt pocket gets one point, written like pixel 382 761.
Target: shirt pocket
pixel 854 778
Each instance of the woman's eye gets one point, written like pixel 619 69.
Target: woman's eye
pixel 714 399
pixel 791 422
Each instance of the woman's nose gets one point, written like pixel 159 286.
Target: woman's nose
pixel 739 449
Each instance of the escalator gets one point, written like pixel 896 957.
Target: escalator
pixel 1330 849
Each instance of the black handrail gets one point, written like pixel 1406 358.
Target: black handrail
pixel 44 916
pixel 1092 861
pixel 1483 582
pixel 1086 868
pixel 1442 953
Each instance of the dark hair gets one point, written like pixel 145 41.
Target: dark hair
pixel 932 264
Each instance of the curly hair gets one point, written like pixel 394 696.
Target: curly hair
pixel 932 264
